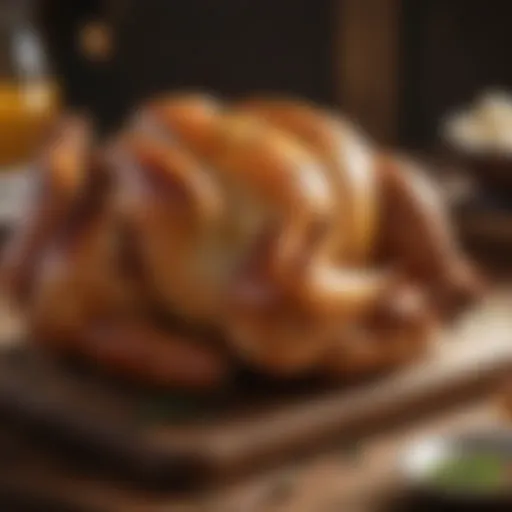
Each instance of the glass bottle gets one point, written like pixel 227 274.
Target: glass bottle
pixel 29 96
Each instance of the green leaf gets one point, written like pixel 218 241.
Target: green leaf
pixel 472 472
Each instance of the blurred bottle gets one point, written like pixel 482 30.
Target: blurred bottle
pixel 29 96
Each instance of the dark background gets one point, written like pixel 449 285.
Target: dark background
pixel 230 46
pixel 448 50
pixel 452 49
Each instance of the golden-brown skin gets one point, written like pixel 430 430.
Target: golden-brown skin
pixel 348 160
pixel 415 233
pixel 269 222
pixel 61 169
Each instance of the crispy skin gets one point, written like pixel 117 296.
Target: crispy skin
pixel 350 164
pixel 416 232
pixel 58 179
pixel 275 225
pixel 270 222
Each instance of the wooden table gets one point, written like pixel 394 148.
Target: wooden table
pixel 361 477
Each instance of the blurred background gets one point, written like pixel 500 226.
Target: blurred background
pixel 397 67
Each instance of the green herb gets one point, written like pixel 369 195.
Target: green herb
pixel 478 472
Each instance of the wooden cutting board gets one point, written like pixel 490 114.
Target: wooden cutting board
pixel 169 441
pixel 362 477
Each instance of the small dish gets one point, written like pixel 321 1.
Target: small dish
pixel 470 471
pixel 492 171
pixel 479 136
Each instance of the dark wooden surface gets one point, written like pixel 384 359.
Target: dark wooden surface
pixel 169 441
pixel 362 476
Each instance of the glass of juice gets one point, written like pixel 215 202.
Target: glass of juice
pixel 29 96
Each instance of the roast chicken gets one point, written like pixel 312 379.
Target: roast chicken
pixel 204 236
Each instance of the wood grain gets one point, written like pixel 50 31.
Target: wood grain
pixel 330 480
pixel 368 64
pixel 94 420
